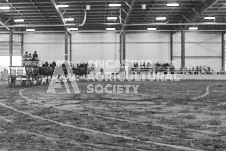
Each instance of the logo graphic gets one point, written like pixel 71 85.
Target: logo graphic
pixel 64 74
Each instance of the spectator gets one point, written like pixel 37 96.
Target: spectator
pixel 29 57
pixel 35 56
pixel 25 56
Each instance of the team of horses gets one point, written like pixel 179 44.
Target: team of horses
pixel 47 70
pixel 82 70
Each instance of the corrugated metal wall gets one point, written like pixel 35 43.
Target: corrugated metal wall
pixel 152 46
pixel 49 46
pixel 225 52
pixel 95 46
pixel 177 49
pixel 201 49
pixel 4 45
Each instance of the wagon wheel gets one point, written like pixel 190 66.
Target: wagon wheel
pixel 28 82
pixel 29 79
pixel 22 82
pixel 11 81
pixel 33 80
pixel 38 79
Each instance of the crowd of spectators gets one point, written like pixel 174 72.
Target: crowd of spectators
pixel 149 65
pixel 142 65
pixel 167 66
pixel 196 70
pixel 156 67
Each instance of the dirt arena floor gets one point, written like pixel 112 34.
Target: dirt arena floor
pixel 162 116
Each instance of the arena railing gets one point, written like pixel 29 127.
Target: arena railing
pixel 176 71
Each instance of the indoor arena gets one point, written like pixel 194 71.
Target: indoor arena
pixel 114 75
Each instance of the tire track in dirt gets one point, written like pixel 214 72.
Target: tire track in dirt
pixel 97 132
pixel 6 120
pixel 121 120
pixel 129 121
pixel 20 131
pixel 55 138
pixel 204 95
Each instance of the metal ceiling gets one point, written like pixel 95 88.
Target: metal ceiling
pixel 44 15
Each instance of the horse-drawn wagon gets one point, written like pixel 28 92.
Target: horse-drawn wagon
pixel 28 74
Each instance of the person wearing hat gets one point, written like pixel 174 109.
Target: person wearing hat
pixel 29 57
pixel 25 56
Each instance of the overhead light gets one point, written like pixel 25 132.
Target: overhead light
pixel 87 7
pixel 172 4
pixel 114 5
pixel 111 18
pixel 73 28
pixel 209 18
pixel 19 20
pixel 62 6
pixel 110 28
pixel 4 7
pixel 30 29
pixel 193 28
pixel 69 19
pixel 160 18
pixel 151 28
pixel 143 6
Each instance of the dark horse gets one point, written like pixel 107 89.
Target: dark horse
pixel 81 70
pixel 65 69
pixel 47 71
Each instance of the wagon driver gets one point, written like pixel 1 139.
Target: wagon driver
pixel 35 56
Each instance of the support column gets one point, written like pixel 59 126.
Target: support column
pixel 182 48
pixel 121 50
pixel 70 48
pixel 171 46
pixel 124 44
pixel 22 47
pixel 66 45
pixel 11 47
pixel 223 51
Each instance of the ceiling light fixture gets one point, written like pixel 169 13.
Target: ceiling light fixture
pixel 30 29
pixel 87 7
pixel 114 5
pixel 4 7
pixel 143 6
pixel 110 28
pixel 151 28
pixel 19 20
pixel 172 4
pixel 69 19
pixel 62 6
pixel 73 28
pixel 209 18
pixel 160 18
pixel 111 18
pixel 193 28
